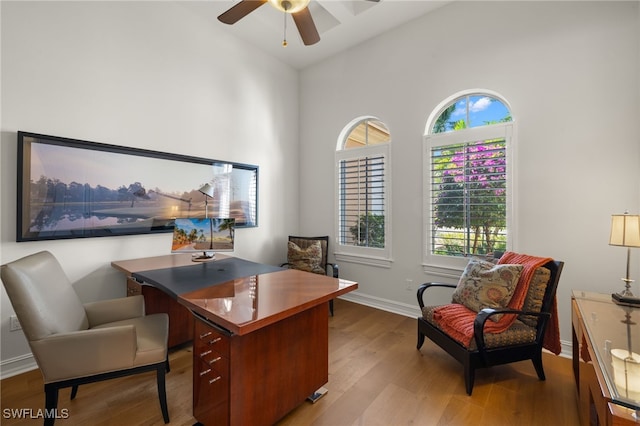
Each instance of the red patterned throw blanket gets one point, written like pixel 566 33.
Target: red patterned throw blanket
pixel 457 320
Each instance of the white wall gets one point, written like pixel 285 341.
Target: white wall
pixel 151 75
pixel 571 72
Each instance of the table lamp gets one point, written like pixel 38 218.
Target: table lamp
pixel 207 190
pixel 625 232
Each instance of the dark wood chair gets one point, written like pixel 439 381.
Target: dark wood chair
pixel 301 261
pixel 486 350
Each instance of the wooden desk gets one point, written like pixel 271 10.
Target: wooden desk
pixel 597 328
pixel 261 340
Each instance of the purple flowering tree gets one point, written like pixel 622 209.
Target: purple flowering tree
pixel 469 189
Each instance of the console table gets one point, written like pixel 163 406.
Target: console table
pixel 603 333
pixel 261 335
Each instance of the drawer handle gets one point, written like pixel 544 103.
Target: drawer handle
pixel 208 333
pixel 215 360
pixel 205 353
pixel 216 340
pixel 212 381
pixel 207 371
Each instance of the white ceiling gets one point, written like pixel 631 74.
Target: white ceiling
pixel 341 24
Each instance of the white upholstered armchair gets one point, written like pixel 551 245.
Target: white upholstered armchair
pixel 75 343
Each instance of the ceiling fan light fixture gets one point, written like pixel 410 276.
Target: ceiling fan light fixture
pixel 289 6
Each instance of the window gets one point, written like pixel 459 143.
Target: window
pixel 467 175
pixel 362 163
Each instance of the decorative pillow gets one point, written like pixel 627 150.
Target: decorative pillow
pixel 533 300
pixel 485 285
pixel 308 259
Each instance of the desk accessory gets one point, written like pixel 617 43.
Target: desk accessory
pixel 625 232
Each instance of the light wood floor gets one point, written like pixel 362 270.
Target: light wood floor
pixel 376 377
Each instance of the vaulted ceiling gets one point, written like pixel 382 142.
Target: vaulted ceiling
pixel 341 25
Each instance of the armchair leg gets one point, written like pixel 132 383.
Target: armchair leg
pixel 162 393
pixel 74 391
pixel 420 339
pixel 469 378
pixel 331 307
pixel 50 403
pixel 537 364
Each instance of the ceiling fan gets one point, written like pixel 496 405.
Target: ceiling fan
pixel 298 9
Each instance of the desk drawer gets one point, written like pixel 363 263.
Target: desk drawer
pixel 214 359
pixel 210 394
pixel 208 340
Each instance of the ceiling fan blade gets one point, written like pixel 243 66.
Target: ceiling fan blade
pixel 306 27
pixel 240 10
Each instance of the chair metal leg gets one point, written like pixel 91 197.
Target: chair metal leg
pixel 74 391
pixel 50 403
pixel 162 392
pixel 167 366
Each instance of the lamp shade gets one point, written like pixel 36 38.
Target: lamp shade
pixel 207 190
pixel 625 230
pixel 626 373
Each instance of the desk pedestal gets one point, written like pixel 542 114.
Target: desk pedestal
pixel 257 378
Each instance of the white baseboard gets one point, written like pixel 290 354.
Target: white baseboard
pixel 412 311
pixel 17 365
pixel 383 304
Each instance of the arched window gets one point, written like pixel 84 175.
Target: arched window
pixel 362 164
pixel 467 178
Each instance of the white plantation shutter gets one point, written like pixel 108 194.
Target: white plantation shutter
pixel 362 226
pixel 468 191
pixel 362 201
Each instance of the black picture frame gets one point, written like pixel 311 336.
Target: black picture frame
pixel 69 188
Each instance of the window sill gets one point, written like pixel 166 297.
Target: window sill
pixel 363 260
pixel 442 271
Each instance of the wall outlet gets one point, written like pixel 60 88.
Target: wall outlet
pixel 14 324
pixel 408 284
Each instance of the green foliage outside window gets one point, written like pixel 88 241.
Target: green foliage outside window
pixel 369 231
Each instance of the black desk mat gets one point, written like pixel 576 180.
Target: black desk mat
pixel 184 279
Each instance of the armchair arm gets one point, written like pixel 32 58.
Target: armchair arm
pixel 483 316
pixel 106 311
pixel 334 269
pixel 86 352
pixel 425 286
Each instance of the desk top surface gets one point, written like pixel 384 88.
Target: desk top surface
pixel 236 294
pixel 615 339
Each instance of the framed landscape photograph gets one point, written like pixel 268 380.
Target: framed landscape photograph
pixel 70 188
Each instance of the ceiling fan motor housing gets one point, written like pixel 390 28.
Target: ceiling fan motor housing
pixel 289 6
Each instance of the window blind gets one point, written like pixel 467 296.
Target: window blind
pixel 361 198
pixel 468 198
